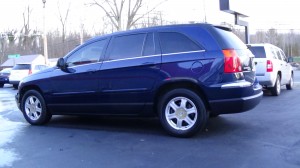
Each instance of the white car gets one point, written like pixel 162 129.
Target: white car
pixel 272 67
pixel 20 71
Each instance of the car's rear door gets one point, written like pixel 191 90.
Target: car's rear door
pixel 129 73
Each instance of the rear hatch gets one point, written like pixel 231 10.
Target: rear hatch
pixel 260 59
pixel 20 71
pixel 229 41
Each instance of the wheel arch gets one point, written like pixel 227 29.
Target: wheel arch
pixel 27 88
pixel 189 84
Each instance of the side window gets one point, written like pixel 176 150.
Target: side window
pixel 88 54
pixel 149 48
pixel 274 53
pixel 127 46
pixel 283 56
pixel 279 54
pixel 172 42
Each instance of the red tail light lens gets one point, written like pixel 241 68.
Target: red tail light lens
pixel 269 66
pixel 232 62
pixel 29 72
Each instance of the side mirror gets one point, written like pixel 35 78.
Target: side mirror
pixel 61 63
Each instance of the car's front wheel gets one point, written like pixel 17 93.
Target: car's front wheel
pixel 182 112
pixel 34 108
pixel 1 85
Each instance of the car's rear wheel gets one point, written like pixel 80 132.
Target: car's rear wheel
pixel 275 91
pixel 290 85
pixel 1 85
pixel 182 112
pixel 34 108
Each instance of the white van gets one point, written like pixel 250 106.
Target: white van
pixel 20 71
pixel 272 67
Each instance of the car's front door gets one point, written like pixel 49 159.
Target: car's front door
pixel 129 73
pixel 75 87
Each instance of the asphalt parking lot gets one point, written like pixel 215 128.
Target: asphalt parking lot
pixel 267 136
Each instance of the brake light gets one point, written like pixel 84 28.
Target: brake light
pixel 232 62
pixel 269 66
pixel 29 72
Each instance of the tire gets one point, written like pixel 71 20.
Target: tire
pixel 275 91
pixel 34 108
pixel 290 85
pixel 1 85
pixel 182 113
pixel 15 86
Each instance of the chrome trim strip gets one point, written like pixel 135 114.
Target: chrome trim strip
pixel 236 85
pixel 187 52
pixel 254 96
pixel 132 58
pixel 154 56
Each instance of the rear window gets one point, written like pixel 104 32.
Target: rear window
pixel 258 52
pixel 172 42
pixel 229 40
pixel 21 67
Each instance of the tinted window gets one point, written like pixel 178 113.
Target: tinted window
pixel 229 40
pixel 279 55
pixel 283 56
pixel 274 54
pixel 127 46
pixel 21 67
pixel 88 54
pixel 149 48
pixel 258 52
pixel 172 42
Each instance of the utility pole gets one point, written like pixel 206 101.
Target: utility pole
pixel 45 33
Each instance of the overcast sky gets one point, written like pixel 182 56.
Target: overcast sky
pixel 263 14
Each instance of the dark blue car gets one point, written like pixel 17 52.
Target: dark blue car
pixel 181 73
pixel 4 76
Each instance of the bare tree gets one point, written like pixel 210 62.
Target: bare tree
pixel 63 20
pixel 25 31
pixel 114 11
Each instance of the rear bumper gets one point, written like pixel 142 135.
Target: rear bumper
pixel 236 105
pixel 14 82
pixel 268 79
pixel 244 96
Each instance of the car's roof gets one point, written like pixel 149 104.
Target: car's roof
pixel 155 28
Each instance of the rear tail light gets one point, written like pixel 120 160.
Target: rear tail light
pixel 29 72
pixel 232 62
pixel 269 66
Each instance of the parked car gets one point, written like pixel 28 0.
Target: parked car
pixel 20 71
pixel 4 74
pixel 180 73
pixel 272 67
